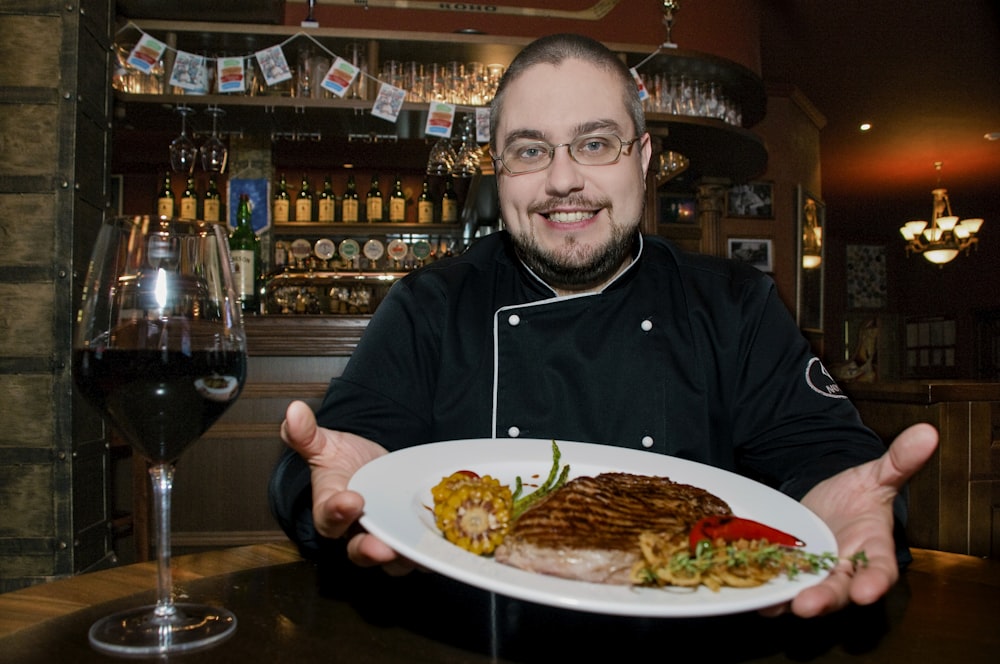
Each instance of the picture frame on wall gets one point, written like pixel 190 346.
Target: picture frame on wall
pixel 758 252
pixel 753 200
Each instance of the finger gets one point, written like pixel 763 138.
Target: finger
pixel 908 453
pixel 299 429
pixel 334 515
pixel 366 550
pixel 831 594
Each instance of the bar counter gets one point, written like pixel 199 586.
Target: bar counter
pixel 945 608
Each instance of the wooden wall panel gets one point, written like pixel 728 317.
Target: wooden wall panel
pixel 26 223
pixel 20 47
pixel 26 320
pixel 29 140
pixel 28 419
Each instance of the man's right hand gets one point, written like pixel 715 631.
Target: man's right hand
pixel 333 458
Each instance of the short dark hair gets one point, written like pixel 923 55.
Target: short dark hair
pixel 553 50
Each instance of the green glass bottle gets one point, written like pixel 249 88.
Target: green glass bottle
pixel 282 201
pixel 244 247
pixel 189 201
pixel 449 203
pixel 327 203
pixel 212 203
pixel 397 202
pixel 352 201
pixel 165 198
pixel 373 202
pixel 425 204
pixel 304 202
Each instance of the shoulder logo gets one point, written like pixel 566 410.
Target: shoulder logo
pixel 820 381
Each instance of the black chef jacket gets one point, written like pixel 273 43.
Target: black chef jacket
pixel 682 354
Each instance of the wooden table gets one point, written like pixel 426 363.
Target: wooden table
pixel 946 608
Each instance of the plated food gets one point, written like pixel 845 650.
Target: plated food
pixel 399 511
pixel 615 528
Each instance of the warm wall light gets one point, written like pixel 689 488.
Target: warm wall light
pixel 941 240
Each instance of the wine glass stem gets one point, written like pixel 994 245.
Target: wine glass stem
pixel 162 477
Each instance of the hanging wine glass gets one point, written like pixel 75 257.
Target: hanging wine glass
pixel 442 157
pixel 467 159
pixel 213 151
pixel 183 152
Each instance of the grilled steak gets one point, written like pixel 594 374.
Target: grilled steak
pixel 589 529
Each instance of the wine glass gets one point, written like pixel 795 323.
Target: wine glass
pixel 183 151
pixel 213 151
pixel 159 349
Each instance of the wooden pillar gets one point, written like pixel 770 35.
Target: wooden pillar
pixel 711 208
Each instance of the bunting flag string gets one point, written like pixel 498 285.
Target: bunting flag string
pixel 193 72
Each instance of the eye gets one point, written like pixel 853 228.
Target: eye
pixel 594 145
pixel 529 151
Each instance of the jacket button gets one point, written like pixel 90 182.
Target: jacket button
pixel 513 432
pixel 514 320
pixel 647 441
pixel 646 325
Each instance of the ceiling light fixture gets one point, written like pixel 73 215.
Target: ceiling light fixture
pixel 941 240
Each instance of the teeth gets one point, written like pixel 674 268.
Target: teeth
pixel 569 217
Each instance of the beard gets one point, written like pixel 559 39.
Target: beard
pixel 576 266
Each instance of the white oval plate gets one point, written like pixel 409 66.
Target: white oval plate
pixel 397 493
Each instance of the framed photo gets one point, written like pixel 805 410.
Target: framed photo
pixel 758 252
pixel 754 200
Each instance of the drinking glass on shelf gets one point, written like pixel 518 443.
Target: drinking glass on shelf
pixel 159 349
pixel 183 152
pixel 214 153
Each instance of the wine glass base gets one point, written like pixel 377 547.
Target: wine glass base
pixel 140 632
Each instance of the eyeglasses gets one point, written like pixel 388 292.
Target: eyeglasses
pixel 524 156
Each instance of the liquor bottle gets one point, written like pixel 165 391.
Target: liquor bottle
pixel 244 247
pixel 327 202
pixel 425 205
pixel 189 201
pixel 304 202
pixel 165 198
pixel 349 208
pixel 449 203
pixel 397 202
pixel 373 202
pixel 282 201
pixel 212 203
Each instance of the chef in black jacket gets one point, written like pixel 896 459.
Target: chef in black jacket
pixel 572 325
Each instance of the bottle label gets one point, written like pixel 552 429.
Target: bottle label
pixel 280 210
pixel 326 210
pixel 425 212
pixel 397 209
pixel 350 212
pixel 189 208
pixel 374 209
pixel 165 207
pixel 243 272
pixel 303 209
pixel 449 211
pixel 211 211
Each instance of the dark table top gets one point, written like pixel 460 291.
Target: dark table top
pixel 946 608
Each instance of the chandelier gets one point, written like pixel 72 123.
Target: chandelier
pixel 941 240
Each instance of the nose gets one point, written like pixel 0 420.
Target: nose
pixel 564 174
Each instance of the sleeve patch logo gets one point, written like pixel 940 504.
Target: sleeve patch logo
pixel 820 381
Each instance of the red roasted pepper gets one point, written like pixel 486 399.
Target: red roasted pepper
pixel 732 528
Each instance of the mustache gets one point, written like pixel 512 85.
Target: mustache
pixel 579 202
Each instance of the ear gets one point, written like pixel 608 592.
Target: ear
pixel 647 153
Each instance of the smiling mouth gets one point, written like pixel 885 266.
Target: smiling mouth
pixel 570 217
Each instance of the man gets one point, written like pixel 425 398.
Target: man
pixel 571 325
